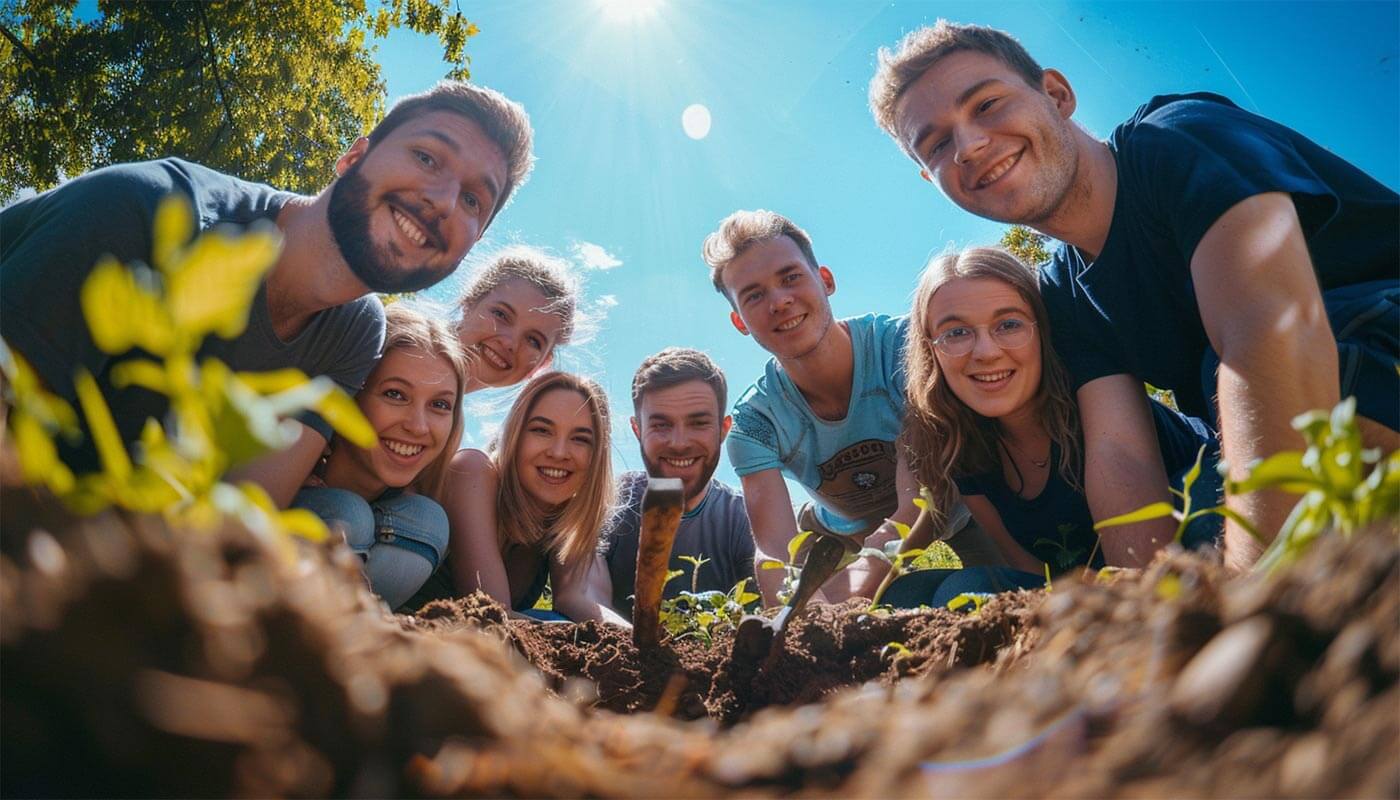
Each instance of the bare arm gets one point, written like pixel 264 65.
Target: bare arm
pixel 599 584
pixel 574 596
pixel 470 502
pixel 284 471
pixel 1262 309
pixel 770 516
pixel 990 521
pixel 1123 467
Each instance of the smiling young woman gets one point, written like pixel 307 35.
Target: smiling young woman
pixel 530 509
pixel 385 499
pixel 515 311
pixel 991 417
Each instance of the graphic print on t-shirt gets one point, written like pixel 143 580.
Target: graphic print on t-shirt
pixel 858 482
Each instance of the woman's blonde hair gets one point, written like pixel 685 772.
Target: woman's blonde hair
pixel 408 329
pixel 942 437
pixel 548 274
pixel 570 533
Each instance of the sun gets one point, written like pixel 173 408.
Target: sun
pixel 629 10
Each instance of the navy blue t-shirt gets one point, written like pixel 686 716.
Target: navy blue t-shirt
pixel 1055 526
pixel 1183 161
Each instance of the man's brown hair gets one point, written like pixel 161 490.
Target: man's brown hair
pixel 503 120
pixel 743 229
pixel 674 366
pixel 921 49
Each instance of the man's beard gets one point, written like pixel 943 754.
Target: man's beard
pixel 372 264
pixel 707 471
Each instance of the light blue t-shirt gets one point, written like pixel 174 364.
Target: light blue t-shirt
pixel 848 465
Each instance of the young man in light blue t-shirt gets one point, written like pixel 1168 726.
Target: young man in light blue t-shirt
pixel 827 410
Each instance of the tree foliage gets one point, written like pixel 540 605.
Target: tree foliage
pixel 269 91
pixel 1026 244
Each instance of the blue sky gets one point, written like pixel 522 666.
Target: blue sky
pixel 785 84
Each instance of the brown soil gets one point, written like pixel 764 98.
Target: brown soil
pixel 137 661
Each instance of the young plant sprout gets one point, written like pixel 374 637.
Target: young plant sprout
pixel 1330 474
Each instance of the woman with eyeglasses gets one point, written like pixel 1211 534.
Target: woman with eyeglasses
pixel 991 416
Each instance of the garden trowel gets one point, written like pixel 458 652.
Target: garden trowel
pixel 661 515
pixel 755 635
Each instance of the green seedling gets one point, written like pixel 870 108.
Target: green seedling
pixel 1343 486
pixel 1331 475
pixel 198 288
pixel 893 555
pixel 701 615
pixel 696 563
pixel 977 599
pixel 1184 516
pixel 895 651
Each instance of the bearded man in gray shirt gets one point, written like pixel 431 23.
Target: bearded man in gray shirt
pixel 679 396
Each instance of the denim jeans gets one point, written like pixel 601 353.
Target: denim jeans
pixel 402 537
pixel 935 587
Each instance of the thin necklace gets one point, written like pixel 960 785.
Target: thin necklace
pixel 1038 462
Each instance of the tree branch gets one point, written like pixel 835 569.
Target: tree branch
pixel 218 81
pixel 15 40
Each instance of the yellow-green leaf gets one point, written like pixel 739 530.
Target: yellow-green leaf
pixel 796 544
pixel 141 372
pixel 213 288
pixel 771 563
pixel 110 450
pixel 173 226
pixel 1151 511
pixel 275 381
pixel 122 313
pixel 340 410
pixel 38 458
pixel 1283 470
pixel 303 523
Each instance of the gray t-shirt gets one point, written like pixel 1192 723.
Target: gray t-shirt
pixel 49 244
pixel 717 529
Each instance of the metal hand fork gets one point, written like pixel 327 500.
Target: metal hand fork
pixel 661 515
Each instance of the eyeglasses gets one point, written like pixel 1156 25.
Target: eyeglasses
pixel 1009 333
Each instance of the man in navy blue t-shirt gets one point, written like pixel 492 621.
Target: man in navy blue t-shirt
pixel 1205 250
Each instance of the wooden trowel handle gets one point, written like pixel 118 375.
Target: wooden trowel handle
pixel 661 515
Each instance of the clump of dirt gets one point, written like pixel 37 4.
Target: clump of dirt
pixel 218 662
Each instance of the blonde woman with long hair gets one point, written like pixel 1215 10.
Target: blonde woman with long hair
pixel 531 508
pixel 386 500
pixel 991 418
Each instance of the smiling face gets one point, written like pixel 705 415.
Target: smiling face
pixel 556 447
pixel 996 146
pixel 409 400
pixel 509 333
pixel 405 211
pixel 779 298
pixel 993 381
pixel 681 429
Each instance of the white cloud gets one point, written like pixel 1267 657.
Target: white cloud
pixel 608 301
pixel 593 256
pixel 489 428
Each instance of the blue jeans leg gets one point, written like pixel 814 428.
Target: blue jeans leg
pixel 984 580
pixel 341 510
pixel 410 534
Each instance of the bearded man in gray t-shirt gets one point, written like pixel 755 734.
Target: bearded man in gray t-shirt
pixel 679 397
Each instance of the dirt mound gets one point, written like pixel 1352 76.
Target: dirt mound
pixel 137 661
